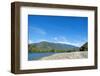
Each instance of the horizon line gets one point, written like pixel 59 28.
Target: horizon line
pixel 59 43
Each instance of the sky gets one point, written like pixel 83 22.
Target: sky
pixel 58 29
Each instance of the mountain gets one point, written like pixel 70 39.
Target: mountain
pixel 84 47
pixel 45 46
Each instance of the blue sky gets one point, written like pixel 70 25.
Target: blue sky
pixel 58 29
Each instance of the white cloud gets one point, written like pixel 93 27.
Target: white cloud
pixel 55 38
pixel 64 40
pixel 38 30
pixel 37 41
pixel 60 39
pixel 30 41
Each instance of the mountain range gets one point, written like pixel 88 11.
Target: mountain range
pixel 45 46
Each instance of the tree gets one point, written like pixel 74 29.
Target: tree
pixel 84 47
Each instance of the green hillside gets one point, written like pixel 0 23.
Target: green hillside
pixel 51 47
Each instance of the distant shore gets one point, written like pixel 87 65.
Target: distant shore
pixel 71 55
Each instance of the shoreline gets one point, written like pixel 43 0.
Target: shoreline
pixel 70 55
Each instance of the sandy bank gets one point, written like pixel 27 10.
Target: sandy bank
pixel 71 55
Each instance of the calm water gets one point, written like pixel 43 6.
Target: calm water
pixel 36 56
